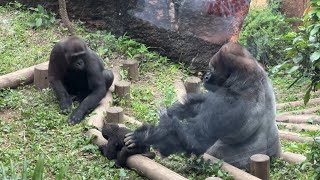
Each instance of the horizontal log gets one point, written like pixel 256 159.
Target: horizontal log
pixel 303 111
pixel 301 127
pixel 298 118
pixel 237 173
pixel 290 136
pixel 298 103
pixel 292 157
pixel 180 90
pixel 14 79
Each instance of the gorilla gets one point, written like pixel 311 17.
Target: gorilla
pixel 76 71
pixel 233 120
pixel 116 149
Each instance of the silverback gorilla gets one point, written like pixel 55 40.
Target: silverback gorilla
pixel 232 121
pixel 116 149
pixel 75 70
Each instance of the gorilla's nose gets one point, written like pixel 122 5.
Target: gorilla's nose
pixel 207 76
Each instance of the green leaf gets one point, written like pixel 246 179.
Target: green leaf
pixel 38 22
pixel 307 95
pixel 38 171
pixel 122 173
pixel 294 68
pixel 24 170
pixel 315 30
pixel 315 56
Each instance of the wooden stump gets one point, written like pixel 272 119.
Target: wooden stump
pixel 122 89
pixel 115 115
pixel 132 68
pixel 41 76
pixel 260 166
pixel 192 84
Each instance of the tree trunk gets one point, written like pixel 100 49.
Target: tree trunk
pixel 64 16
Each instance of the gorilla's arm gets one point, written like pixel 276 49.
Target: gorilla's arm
pixel 97 85
pixel 56 73
pixel 189 108
pixel 195 134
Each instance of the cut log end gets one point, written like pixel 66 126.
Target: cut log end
pixel 192 84
pixel 131 66
pixel 115 115
pixel 260 166
pixel 122 89
pixel 41 76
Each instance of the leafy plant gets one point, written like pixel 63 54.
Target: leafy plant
pixel 304 54
pixel 261 34
pixel 42 18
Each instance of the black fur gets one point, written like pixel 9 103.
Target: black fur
pixel 75 70
pixel 236 117
pixel 116 149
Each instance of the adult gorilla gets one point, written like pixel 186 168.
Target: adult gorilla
pixel 236 117
pixel 74 69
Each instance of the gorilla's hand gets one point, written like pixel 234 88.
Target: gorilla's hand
pixel 75 117
pixel 65 106
pixel 130 141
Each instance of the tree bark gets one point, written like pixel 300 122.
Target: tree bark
pixel 64 16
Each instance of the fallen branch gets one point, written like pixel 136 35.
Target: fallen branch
pixel 14 79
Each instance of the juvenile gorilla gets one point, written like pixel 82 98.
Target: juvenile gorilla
pixel 75 70
pixel 236 117
pixel 116 149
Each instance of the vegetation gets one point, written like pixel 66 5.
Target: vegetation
pixel 304 55
pixel 37 143
pixel 262 34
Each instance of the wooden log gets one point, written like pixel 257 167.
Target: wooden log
pixel 290 136
pixel 298 118
pixel 117 77
pixel 132 120
pixel 260 166
pixel 180 90
pixel 131 66
pixel 192 84
pixel 237 174
pixel 115 115
pixel 41 80
pixel 152 170
pixel 297 103
pixel 122 89
pixel 143 165
pixel 14 79
pixel 293 157
pixel 303 111
pixel 301 127
pixel 99 113
pixel 98 139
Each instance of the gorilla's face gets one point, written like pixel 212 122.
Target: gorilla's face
pixel 218 74
pixel 75 54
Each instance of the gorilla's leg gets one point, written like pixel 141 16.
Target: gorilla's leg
pixel 109 77
pixel 63 96
pixel 239 154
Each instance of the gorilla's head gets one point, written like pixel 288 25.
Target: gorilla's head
pixel 75 51
pixel 229 64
